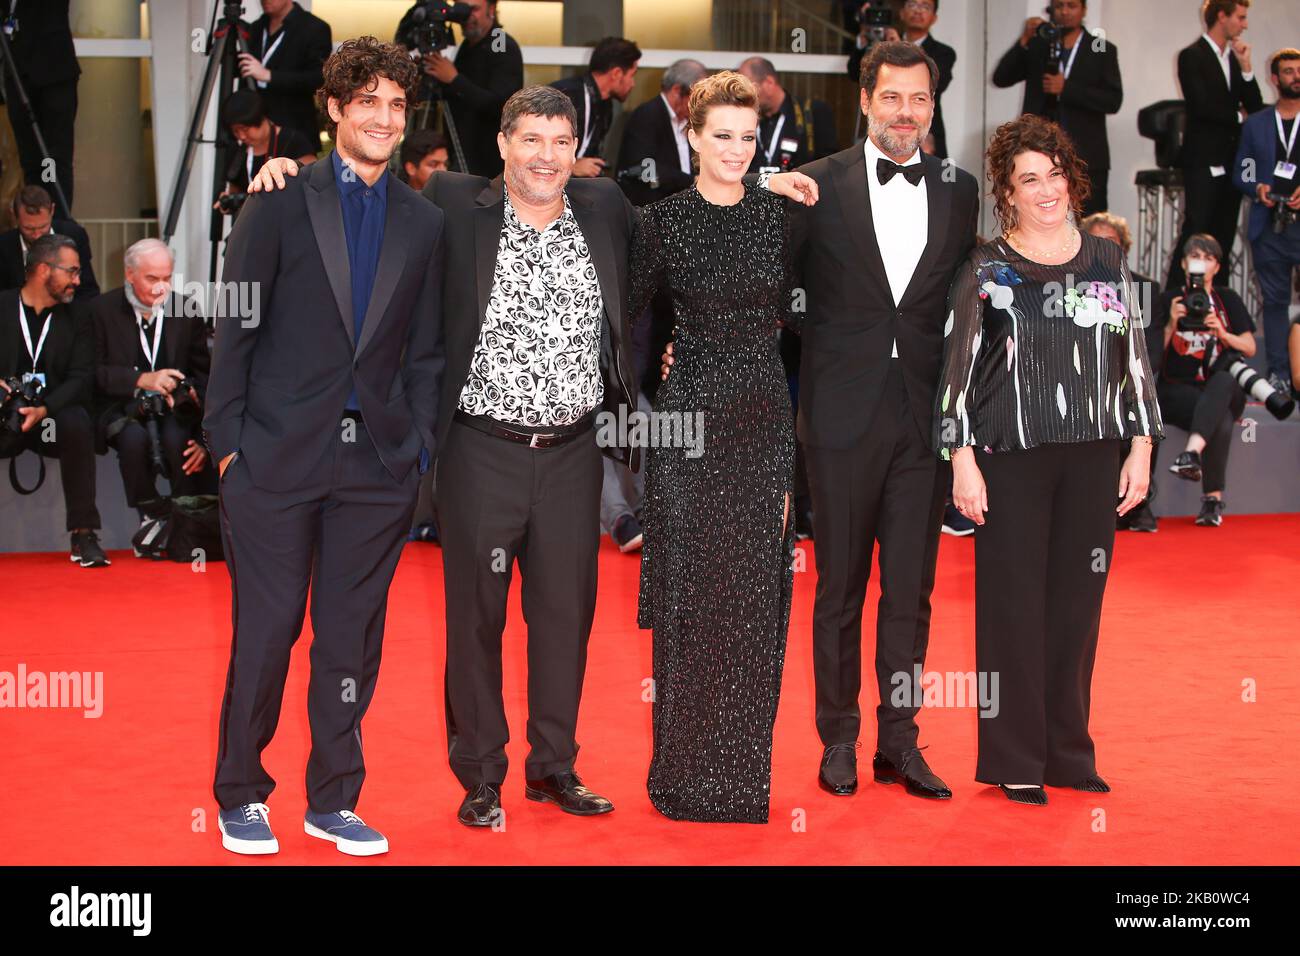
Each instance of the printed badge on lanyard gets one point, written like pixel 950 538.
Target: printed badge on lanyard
pixel 33 353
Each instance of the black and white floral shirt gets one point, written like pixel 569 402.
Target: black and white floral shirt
pixel 537 361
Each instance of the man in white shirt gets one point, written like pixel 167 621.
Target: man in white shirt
pixel 654 160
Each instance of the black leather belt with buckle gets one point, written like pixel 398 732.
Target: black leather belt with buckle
pixel 549 438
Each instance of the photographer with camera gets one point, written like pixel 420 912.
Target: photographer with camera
pixel 791 131
pixel 488 69
pixel 46 371
pixel 33 210
pixel 286 48
pixel 918 18
pixel 1071 77
pixel 1266 171
pixel 244 115
pixel 611 74
pixel 151 370
pixel 1207 327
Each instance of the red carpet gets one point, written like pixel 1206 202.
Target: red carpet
pixel 1199 775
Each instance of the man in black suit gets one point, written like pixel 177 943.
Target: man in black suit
pixel 878 253
pixel 488 69
pixel 1219 90
pixel 321 409
pixel 918 18
pixel 46 61
pixel 46 340
pixel 143 343
pixel 1074 82
pixel 654 159
pixel 34 211
pixel 520 474
pixel 286 48
pixel 610 76
pixel 790 132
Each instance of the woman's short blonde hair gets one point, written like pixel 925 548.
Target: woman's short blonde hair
pixel 727 88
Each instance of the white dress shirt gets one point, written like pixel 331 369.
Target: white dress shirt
pixel 1222 56
pixel 900 214
pixel 679 131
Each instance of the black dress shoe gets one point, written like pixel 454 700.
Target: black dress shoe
pixel 912 771
pixel 481 806
pixel 566 791
pixel 1093 784
pixel 1032 796
pixel 839 770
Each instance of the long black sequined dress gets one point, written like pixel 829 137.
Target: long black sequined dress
pixel 716 566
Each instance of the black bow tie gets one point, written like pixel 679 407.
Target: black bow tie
pixel 886 169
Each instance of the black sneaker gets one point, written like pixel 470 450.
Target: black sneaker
pixel 87 552
pixel 1211 515
pixel 627 534
pixel 803 528
pixel 1141 518
pixel 955 523
pixel 1188 466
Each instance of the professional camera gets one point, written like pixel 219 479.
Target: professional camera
pixel 876 20
pixel 1283 215
pixel 185 409
pixel 1279 404
pixel 230 203
pixel 1196 298
pixel 29 394
pixel 428 28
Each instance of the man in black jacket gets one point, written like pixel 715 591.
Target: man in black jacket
pixel 34 211
pixel 320 410
pixel 144 344
pixel 286 47
pixel 654 159
pixel 790 132
pixel 1219 90
pixel 610 76
pixel 918 18
pixel 44 339
pixel 1075 82
pixel 488 69
pixel 46 61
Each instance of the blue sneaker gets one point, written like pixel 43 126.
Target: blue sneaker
pixel 346 830
pixel 247 830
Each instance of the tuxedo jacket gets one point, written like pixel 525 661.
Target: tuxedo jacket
pixel 1092 91
pixel 475 214
pixel 280 380
pixel 649 135
pixel 13 270
pixel 851 319
pixel 1213 121
pixel 68 356
pixel 183 346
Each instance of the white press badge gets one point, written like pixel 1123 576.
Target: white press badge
pixel 789 145
pixel 1284 169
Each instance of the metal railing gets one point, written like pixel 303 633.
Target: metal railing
pixel 109 239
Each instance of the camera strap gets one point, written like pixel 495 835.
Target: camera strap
pixel 270 152
pixel 13 476
pixel 27 335
pixel 150 353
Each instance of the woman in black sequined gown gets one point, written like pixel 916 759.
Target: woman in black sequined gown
pixel 716 567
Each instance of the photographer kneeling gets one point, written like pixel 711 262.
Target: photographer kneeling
pixel 1207 328
pixel 150 376
pixel 45 385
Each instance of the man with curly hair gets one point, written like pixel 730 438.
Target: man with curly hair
pixel 322 407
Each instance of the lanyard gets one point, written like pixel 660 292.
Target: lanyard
pixel 1069 64
pixel 586 115
pixel 150 354
pixel 770 149
pixel 270 152
pixel 1290 143
pixel 268 52
pixel 27 335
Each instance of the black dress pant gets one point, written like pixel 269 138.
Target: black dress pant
pixel 1210 410
pixel 1042 559
pixel 1212 204
pixel 72 442
pixel 55 106
pixel 887 488
pixel 342 532
pixel 138 478
pixel 499 501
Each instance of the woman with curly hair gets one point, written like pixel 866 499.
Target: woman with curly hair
pixel 1046 405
